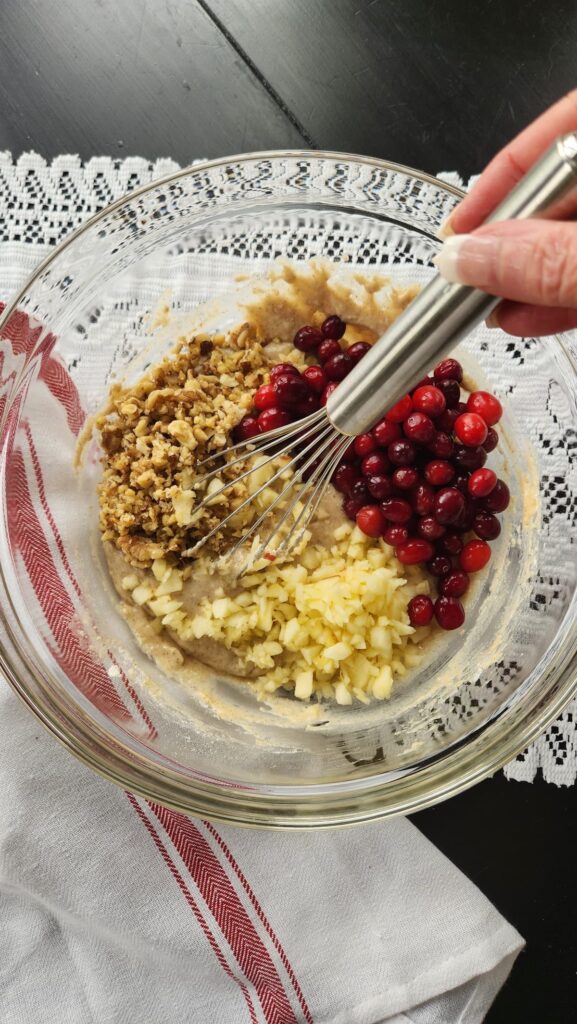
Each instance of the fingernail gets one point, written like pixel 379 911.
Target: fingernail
pixel 467 259
pixel 447 258
pixel 446 230
pixel 493 319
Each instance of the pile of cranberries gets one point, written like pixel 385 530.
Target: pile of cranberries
pixel 290 394
pixel 418 478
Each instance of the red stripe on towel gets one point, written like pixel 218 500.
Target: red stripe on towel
pixel 223 902
pixel 262 916
pixel 192 904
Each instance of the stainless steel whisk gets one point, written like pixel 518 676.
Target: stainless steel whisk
pixel 435 321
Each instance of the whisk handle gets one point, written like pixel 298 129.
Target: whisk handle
pixel 442 313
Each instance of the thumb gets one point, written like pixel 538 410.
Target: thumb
pixel 532 261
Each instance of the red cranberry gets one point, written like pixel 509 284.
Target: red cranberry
pixel 474 555
pixel 327 349
pixel 308 405
pixel 379 487
pixel 401 452
pixel 308 472
pixel 420 609
pixel 358 350
pixel 486 526
pixel 370 520
pixel 396 510
pixel 351 506
pixel 498 499
pixel 486 406
pixel 423 499
pixel 448 369
pixel 471 429
pixel 264 397
pixel 440 565
pixel 290 391
pixel 364 444
pixel 455 584
pixel 419 427
pixel 429 528
pixel 424 383
pixel 449 613
pixel 482 482
pixel 469 458
pixel 385 432
pixel 449 505
pixel 248 427
pixel 394 535
pixel 271 419
pixel 281 369
pixel 344 477
pixel 328 391
pixel 451 391
pixel 461 482
pixel 430 400
pixel 442 446
pixel 451 543
pixel 315 378
pixel 333 327
pixel 465 520
pixel 491 441
pixel 375 464
pixel 405 477
pixel 400 410
pixel 414 551
pixel 446 421
pixel 337 367
pixel 360 492
pixel 308 339
pixel 346 459
pixel 439 472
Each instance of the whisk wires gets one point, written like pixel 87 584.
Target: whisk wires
pixel 315 448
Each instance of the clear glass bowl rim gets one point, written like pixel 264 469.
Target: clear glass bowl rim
pixel 297 807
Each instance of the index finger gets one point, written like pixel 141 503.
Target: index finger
pixel 509 166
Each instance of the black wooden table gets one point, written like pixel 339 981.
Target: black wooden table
pixel 436 84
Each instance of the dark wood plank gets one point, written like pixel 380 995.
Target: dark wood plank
pixel 439 85
pixel 154 79
pixel 517 842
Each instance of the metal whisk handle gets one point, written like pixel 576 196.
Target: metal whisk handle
pixel 442 313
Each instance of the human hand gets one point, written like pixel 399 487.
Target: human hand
pixel 532 264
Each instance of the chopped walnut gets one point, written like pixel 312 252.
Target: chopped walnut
pixel 155 433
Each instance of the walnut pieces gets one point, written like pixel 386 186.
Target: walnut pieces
pixel 156 432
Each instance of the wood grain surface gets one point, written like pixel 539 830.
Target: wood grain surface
pixel 129 77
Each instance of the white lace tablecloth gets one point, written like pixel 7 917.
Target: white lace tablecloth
pixel 41 202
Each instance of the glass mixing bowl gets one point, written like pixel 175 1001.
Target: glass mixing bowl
pixel 82 319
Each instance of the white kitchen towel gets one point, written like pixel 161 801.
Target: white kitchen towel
pixel 116 911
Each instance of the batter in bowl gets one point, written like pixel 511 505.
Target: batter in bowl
pixel 348 610
pixel 329 620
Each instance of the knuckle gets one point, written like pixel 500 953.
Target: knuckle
pixel 554 273
pixel 512 164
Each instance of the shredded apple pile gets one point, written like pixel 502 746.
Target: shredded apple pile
pixel 334 623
